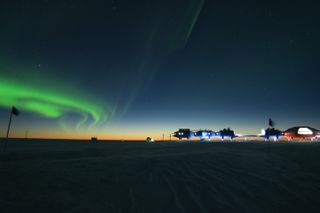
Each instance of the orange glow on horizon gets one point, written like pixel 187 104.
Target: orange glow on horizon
pixel 140 137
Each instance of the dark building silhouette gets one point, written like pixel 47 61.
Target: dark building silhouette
pixel 227 133
pixel 183 133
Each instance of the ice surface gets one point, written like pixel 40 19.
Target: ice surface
pixel 76 176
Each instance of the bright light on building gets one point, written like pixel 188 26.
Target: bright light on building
pixel 304 131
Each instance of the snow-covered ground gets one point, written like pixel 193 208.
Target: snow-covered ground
pixel 76 176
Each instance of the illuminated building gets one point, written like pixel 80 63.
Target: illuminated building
pixel 271 133
pixel 294 133
pixel 302 133
pixel 204 134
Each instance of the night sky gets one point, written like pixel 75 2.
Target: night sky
pixel 128 69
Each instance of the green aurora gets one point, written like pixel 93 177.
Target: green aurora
pixel 46 103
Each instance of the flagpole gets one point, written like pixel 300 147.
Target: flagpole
pixel 9 125
pixel 8 130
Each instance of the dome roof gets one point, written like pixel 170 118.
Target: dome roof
pixel 296 128
pixel 303 130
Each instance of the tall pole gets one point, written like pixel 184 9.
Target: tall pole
pixel 8 130
pixel 9 125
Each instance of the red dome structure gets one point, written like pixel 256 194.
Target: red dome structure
pixel 302 133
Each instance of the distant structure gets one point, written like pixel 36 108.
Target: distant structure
pixel 204 134
pixel 149 140
pixel 302 133
pixel 271 132
pixel 94 139
pixel 183 133
pixel 227 133
pixel 294 133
